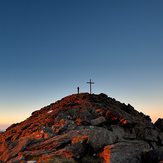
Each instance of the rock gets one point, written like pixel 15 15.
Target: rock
pixel 98 121
pixel 125 152
pixel 16 147
pixel 150 134
pixel 56 159
pixel 97 142
pixel 92 135
pixel 153 156
pixel 159 124
pixel 123 133
pixel 78 149
pixel 47 132
pixel 147 133
pixel 118 132
pixel 160 138
pixel 85 116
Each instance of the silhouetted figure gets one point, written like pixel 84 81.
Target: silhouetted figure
pixel 78 89
pixel 90 83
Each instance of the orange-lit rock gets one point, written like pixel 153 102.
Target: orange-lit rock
pixel 100 111
pixel 59 125
pixel 123 121
pixel 110 115
pixel 106 154
pixel 78 121
pixel 79 139
pixel 68 154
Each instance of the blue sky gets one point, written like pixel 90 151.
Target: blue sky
pixel 48 48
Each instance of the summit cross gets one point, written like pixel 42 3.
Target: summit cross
pixel 90 83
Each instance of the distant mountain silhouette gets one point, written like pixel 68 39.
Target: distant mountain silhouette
pixel 85 128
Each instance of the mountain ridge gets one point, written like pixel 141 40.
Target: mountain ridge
pixel 82 127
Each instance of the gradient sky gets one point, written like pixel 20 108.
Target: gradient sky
pixel 49 47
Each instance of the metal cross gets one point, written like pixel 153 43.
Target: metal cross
pixel 90 83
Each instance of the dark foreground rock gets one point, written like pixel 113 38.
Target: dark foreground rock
pixel 159 124
pixel 153 156
pixel 83 128
pixel 126 151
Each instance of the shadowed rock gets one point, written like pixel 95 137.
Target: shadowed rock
pixel 159 124
pixel 153 156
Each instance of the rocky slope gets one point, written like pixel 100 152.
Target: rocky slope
pixel 84 128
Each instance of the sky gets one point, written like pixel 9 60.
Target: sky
pixel 49 47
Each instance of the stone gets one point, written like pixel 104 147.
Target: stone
pixel 17 147
pixel 160 138
pixel 118 132
pixel 153 156
pixel 78 149
pixel 98 121
pixel 128 151
pixel 159 124
pixel 146 133
pixel 99 137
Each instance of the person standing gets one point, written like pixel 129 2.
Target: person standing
pixel 78 90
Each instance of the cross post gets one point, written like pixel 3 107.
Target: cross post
pixel 90 85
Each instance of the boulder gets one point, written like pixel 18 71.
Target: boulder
pixel 159 124
pixel 153 156
pixel 100 137
pixel 98 121
pixel 118 132
pixel 78 149
pixel 16 147
pixel 160 138
pixel 125 152
pixel 146 133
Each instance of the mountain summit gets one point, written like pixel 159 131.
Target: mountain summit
pixel 85 128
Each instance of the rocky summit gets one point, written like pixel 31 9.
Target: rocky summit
pixel 84 128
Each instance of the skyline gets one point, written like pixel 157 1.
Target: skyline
pixel 48 48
